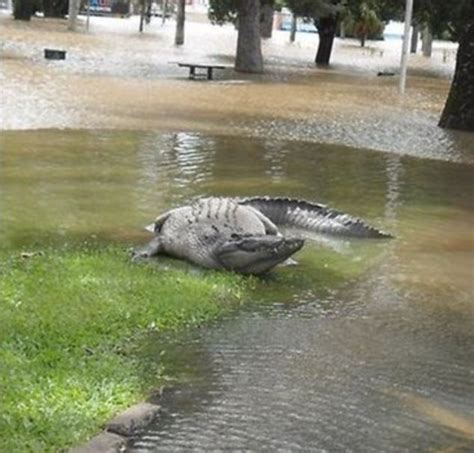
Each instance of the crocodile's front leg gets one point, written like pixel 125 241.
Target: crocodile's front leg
pixel 154 247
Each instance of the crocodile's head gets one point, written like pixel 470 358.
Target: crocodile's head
pixel 249 254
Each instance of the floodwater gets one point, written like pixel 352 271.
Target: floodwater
pixel 365 346
pixel 115 78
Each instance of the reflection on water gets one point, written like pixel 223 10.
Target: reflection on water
pixel 382 363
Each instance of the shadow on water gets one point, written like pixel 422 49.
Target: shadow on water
pixel 363 346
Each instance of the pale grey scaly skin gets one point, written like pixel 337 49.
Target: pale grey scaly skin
pixel 207 224
pixel 242 234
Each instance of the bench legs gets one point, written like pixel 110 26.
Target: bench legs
pixel 192 72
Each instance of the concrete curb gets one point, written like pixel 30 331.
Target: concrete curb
pixel 119 430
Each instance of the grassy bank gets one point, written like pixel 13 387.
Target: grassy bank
pixel 75 325
pixel 71 325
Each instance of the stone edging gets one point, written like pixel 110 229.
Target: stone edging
pixel 119 430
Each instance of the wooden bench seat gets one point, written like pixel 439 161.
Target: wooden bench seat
pixel 193 66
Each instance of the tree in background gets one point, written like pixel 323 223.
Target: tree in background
pixel 361 19
pixel 180 17
pixel 23 9
pixel 73 12
pixel 366 22
pixel 222 11
pixel 453 19
pixel 266 19
pixel 55 8
pixel 324 14
pixel 458 112
pixel 249 49
pixel 364 18
pixel 245 14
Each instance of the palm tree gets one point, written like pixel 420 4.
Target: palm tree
pixel 366 23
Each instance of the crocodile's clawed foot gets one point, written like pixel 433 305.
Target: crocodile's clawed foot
pixel 151 249
pixel 138 255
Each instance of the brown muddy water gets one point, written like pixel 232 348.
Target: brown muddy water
pixel 364 346
pixel 116 78
pixel 379 361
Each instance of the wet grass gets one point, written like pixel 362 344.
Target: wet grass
pixel 76 325
pixel 71 327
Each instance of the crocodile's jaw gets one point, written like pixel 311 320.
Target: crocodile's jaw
pixel 256 254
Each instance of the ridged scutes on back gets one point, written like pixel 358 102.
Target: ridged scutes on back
pixel 312 217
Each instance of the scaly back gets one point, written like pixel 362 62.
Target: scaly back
pixel 312 217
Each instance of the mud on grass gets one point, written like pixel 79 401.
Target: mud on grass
pixel 71 327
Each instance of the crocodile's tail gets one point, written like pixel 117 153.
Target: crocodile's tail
pixel 312 217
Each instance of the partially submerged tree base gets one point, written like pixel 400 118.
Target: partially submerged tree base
pixel 266 20
pixel 327 31
pixel 23 9
pixel 458 112
pixel 55 8
pixel 180 17
pixel 249 52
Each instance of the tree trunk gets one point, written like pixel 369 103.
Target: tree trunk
pixel 342 30
pixel 142 15
pixel 55 8
pixel 23 9
pixel 164 11
pixel 294 24
pixel 72 15
pixel 249 52
pixel 458 112
pixel 180 15
pixel 427 42
pixel 266 21
pixel 362 40
pixel 148 12
pixel 414 38
pixel 327 30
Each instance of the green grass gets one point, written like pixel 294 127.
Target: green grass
pixel 76 322
pixel 71 326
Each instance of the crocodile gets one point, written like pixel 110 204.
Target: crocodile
pixel 242 234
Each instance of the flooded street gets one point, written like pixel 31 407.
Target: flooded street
pixel 124 80
pixel 364 346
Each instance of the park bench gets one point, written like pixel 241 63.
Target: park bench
pixel 54 54
pixel 193 66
